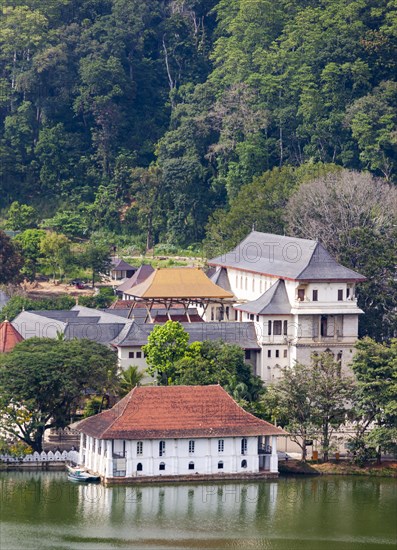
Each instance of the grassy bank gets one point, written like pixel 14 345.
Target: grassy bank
pixel 296 467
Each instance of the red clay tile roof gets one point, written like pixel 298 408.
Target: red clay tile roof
pixel 157 412
pixel 9 337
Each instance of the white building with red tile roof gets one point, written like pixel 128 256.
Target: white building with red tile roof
pixel 170 431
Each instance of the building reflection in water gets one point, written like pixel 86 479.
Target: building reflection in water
pixel 167 504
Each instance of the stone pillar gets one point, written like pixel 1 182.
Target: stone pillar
pixel 236 446
pixel 96 456
pixel 81 451
pixel 128 450
pixel 208 458
pixel 274 456
pixel 151 455
pixel 109 459
pixel 102 458
pixel 87 452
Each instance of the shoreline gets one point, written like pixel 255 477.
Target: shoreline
pixel 296 467
pixel 290 468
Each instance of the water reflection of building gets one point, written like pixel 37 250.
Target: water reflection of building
pixel 167 505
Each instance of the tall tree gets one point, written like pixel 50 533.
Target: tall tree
pixel 313 400
pixel 375 402
pixel 56 251
pixel 96 257
pixel 42 381
pixel 166 345
pixel 11 261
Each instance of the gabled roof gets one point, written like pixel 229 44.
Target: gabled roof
pixel 273 302
pixel 35 324
pixel 138 277
pixel 241 334
pixel 156 412
pixel 285 257
pixel 178 282
pixel 9 337
pixel 221 278
pixel 118 264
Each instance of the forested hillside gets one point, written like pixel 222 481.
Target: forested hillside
pixel 148 118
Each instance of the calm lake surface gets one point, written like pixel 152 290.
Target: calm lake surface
pixel 45 511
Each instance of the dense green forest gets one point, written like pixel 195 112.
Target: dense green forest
pixel 148 118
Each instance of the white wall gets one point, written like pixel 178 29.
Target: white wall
pixel 176 458
pixel 126 361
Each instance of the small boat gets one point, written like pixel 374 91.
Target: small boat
pixel 80 475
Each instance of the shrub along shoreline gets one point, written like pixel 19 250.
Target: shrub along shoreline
pixel 297 467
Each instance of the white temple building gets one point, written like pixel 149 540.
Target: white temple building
pixel 162 431
pixel 300 299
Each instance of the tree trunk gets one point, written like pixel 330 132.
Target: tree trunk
pixel 37 443
pixel 325 443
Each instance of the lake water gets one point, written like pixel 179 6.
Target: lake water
pixel 45 511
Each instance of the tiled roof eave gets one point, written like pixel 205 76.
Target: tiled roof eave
pixel 243 431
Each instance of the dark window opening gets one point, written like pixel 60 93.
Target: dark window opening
pixel 220 465
pixel 244 446
pixel 324 325
pixel 162 466
pixel 347 292
pixel 277 353
pixel 285 329
pixel 191 465
pixel 247 354
pixel 162 448
pixel 340 295
pixel 277 327
pixel 131 354
pixel 269 328
pixel 138 354
pixel 269 353
pixel 315 295
pixel 243 463
pixel 139 467
pixel 301 294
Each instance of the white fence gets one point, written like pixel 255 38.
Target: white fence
pixel 69 456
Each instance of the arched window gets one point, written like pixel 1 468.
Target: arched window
pixel 220 465
pixel 243 463
pixel 139 467
pixel 162 466
pixel 191 465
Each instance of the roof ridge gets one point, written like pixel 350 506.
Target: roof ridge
pixel 127 398
pixel 310 259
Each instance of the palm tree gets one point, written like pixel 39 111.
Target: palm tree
pixel 129 379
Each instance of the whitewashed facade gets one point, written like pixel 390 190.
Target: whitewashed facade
pixel 314 310
pixel 167 431
pixel 178 457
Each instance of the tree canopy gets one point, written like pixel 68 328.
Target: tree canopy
pixel 11 261
pixel 42 381
pixel 167 109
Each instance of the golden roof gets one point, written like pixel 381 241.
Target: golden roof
pixel 178 282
